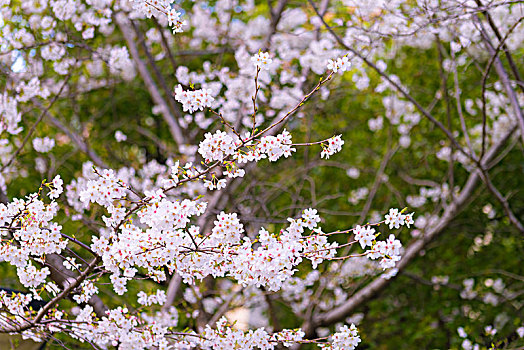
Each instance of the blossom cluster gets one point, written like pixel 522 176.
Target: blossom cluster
pixel 331 146
pixel 33 88
pixel 162 8
pixel 232 151
pixel 364 235
pixel 269 265
pixel 226 337
pixel 340 64
pixel 55 187
pixel 395 219
pixel 35 235
pixel 103 190
pixel 120 63
pixel 30 277
pixel 193 101
pixel 158 298
pixel 215 183
pixel 120 327
pixel 87 290
pixel 15 303
pixel 9 114
pixel 217 146
pixel 261 60
pixel 120 136
pixel 388 251
pixel 346 338
pixel 43 145
pixel 275 147
pixel 176 23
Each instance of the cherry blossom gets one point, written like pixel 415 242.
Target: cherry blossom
pixel 148 221
pixel 120 136
pixel 173 17
pixel 331 146
pixel 261 60
pixel 364 235
pixel 193 101
pixel 340 64
pixel 217 146
pixel 43 145
pixel 395 219
pixel 346 338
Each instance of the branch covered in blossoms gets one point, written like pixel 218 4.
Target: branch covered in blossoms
pixel 150 239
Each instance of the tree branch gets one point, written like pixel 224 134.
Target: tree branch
pixel 450 212
pixel 503 75
pixel 174 128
